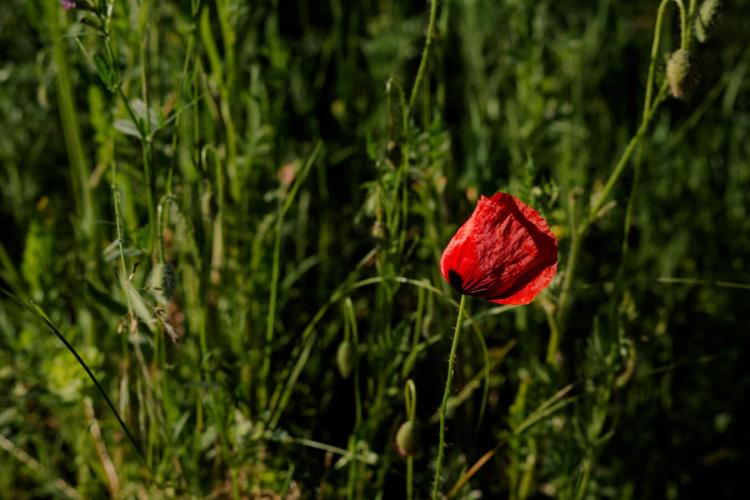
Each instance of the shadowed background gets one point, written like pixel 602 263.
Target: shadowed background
pixel 215 320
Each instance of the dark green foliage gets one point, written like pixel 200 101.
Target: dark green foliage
pixel 231 213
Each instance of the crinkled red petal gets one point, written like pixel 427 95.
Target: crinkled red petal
pixel 504 252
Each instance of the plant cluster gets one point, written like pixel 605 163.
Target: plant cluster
pixel 223 228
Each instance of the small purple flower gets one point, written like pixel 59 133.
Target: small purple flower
pixel 68 4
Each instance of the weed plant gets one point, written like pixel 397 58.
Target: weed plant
pixel 222 222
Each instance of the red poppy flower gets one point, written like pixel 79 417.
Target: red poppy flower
pixel 504 253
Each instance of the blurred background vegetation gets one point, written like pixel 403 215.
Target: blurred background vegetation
pixel 233 211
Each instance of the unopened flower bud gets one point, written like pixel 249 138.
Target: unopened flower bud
pixel 679 70
pixel 707 18
pixel 407 442
pixel 344 358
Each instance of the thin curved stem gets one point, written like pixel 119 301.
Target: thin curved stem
pixel 446 395
pixel 622 163
pixel 684 33
pixel 654 56
pixel 423 60
pixel 580 233
pixel 646 106
pixel 685 42
pixel 650 105
pixel 43 317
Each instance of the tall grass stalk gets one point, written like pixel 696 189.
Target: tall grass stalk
pixel 284 206
pixel 43 317
pixel 79 171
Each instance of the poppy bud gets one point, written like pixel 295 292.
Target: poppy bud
pixel 504 253
pixel 344 358
pixel 708 14
pixel 679 70
pixel 407 442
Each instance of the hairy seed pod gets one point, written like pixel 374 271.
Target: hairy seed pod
pixel 344 358
pixel 679 70
pixel 407 442
pixel 707 18
pixel 163 282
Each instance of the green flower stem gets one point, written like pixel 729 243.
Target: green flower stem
pixel 354 466
pixel 146 136
pixel 409 478
pixel 650 105
pixel 410 400
pixel 622 162
pixel 684 33
pixel 580 231
pixel 425 55
pixel 554 338
pixel 685 39
pixel 147 171
pixel 446 395
pixel 654 56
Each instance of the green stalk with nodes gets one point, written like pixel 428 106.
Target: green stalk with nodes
pixel 579 229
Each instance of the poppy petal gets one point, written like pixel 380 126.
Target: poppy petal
pixel 504 252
